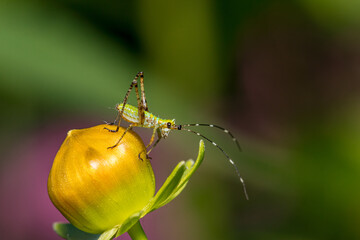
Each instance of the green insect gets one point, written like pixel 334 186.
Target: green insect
pixel 141 117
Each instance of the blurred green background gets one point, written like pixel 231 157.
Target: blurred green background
pixel 282 75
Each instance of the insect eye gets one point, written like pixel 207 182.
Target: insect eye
pixel 168 124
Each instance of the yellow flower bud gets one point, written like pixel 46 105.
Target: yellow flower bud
pixel 96 187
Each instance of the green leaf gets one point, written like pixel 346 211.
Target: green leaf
pixel 68 231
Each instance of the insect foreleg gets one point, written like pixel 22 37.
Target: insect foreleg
pixel 152 138
pixel 151 141
pixel 157 141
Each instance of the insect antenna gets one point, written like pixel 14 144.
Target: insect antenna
pixel 215 126
pixel 231 161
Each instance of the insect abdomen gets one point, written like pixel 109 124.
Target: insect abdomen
pixel 130 114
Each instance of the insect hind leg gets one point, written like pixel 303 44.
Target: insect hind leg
pixel 141 100
pixel 132 85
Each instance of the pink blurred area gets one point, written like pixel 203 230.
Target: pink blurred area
pixel 26 210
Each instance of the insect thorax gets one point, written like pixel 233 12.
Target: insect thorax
pixel 131 114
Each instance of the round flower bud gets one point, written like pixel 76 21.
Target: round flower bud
pixel 96 187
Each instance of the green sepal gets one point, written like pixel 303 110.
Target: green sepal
pixel 68 231
pixel 109 234
pixel 176 182
pixel 191 167
pixel 167 188
pixel 128 223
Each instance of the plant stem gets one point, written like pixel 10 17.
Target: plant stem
pixel 137 232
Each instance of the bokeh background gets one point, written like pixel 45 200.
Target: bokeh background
pixel 282 75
